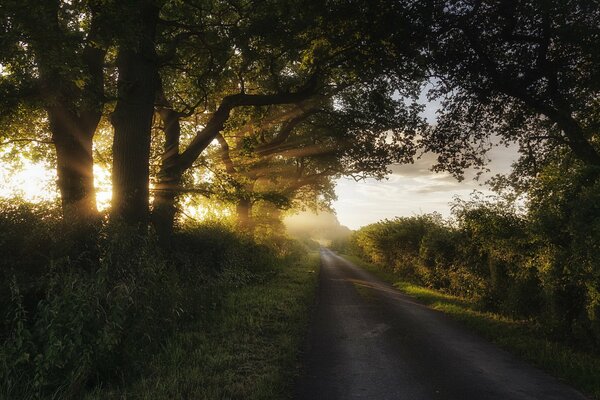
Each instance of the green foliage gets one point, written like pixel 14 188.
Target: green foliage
pixel 221 252
pixel 565 217
pixel 67 328
pixel 27 240
pixel 491 61
pixel 394 243
pixel 88 326
pixel 247 349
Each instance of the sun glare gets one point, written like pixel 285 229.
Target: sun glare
pixel 34 182
pixel 102 182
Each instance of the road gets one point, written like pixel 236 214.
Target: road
pixel 369 341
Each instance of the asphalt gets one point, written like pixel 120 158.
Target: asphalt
pixel 369 341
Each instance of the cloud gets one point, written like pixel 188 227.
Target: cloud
pixel 409 190
pixel 435 189
pixel 421 167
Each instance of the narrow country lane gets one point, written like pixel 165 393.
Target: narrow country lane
pixel 368 341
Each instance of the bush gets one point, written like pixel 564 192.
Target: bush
pixel 394 243
pixel 542 264
pixel 89 327
pixel 66 328
pixel 28 241
pixel 565 222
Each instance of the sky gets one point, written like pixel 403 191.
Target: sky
pixel 411 189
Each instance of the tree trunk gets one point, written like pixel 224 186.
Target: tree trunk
pixel 132 122
pixel 169 179
pixel 73 112
pixel 243 210
pixel 75 165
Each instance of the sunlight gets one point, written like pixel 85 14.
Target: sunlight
pixel 102 182
pixel 33 182
pixel 199 208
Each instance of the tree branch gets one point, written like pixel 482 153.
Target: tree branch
pixel 225 157
pixel 217 121
pixel 27 140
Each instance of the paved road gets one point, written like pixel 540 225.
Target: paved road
pixel 369 341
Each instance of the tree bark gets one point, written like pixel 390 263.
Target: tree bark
pixel 73 112
pixel 169 179
pixel 132 121
pixel 244 221
pixel 75 165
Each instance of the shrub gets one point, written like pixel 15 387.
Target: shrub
pixel 90 326
pixel 28 241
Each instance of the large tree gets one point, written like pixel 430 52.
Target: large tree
pixel 527 71
pixel 197 63
pixel 52 57
pixel 138 83
pixel 269 59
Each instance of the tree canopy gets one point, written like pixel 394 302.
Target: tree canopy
pixel 524 71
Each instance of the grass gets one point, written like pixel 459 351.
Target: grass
pixel 249 351
pixel 521 337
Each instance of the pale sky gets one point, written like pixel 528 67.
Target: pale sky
pixel 410 190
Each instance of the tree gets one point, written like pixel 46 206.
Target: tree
pixel 526 71
pixel 192 61
pixel 137 84
pixel 295 60
pixel 53 59
pixel 291 154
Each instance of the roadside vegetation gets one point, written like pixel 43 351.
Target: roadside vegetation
pixel 247 347
pixel 523 337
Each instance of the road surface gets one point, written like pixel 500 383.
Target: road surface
pixel 368 341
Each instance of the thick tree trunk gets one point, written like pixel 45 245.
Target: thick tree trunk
pixel 75 165
pixel 164 210
pixel 132 122
pixel 73 112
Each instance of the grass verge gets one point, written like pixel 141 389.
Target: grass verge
pixel 521 337
pixel 249 350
